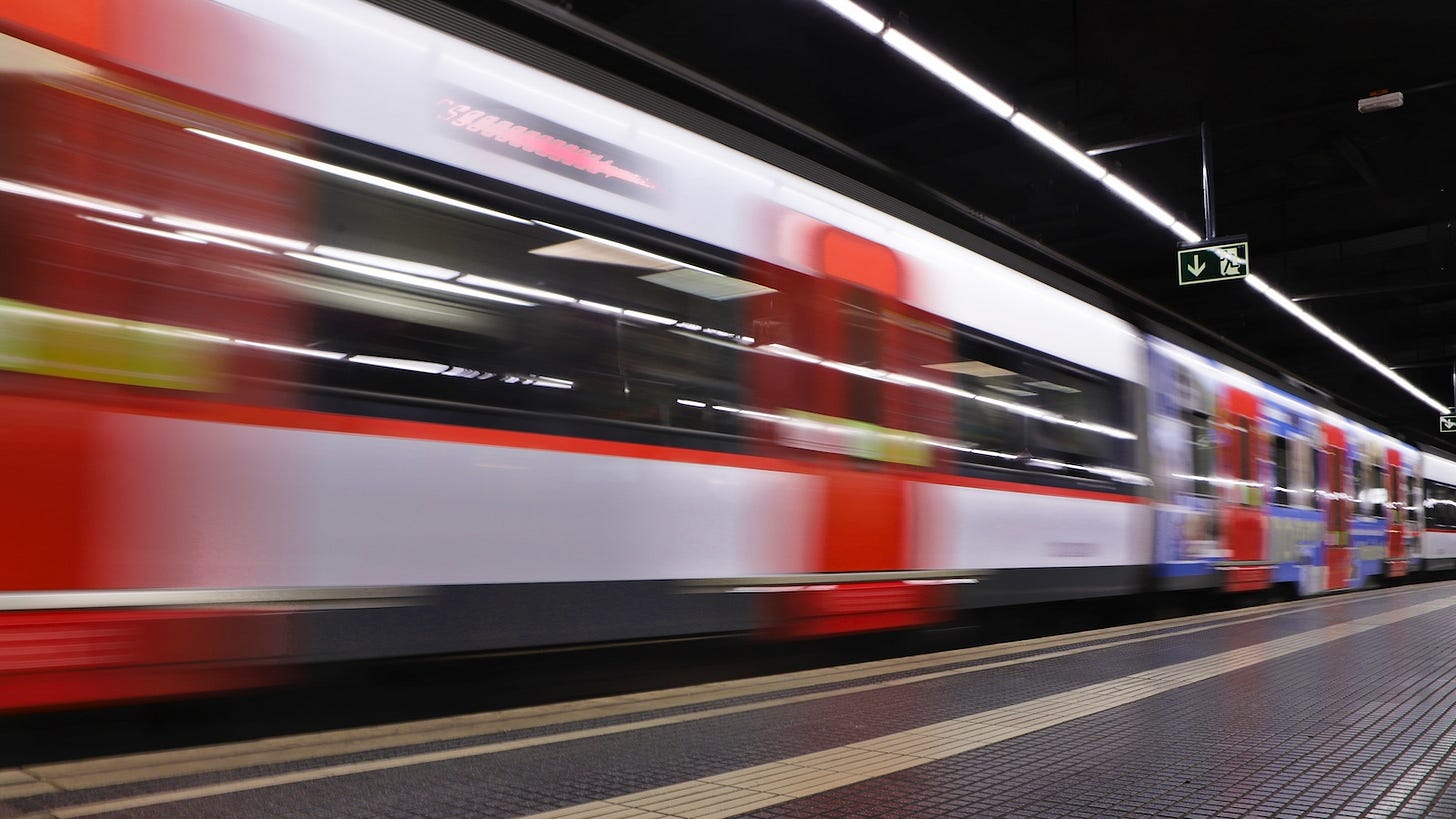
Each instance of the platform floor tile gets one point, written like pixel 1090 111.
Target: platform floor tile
pixel 1338 707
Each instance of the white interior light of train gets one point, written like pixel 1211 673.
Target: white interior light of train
pixel 851 430
pixel 598 307
pixel 291 350
pixel 911 381
pixel 1214 479
pixel 711 286
pixel 358 176
pixel 408 279
pixel 650 318
pixel 518 289
pixel 218 240
pixel 656 258
pixel 597 252
pixel 388 262
pixel 430 367
pixel 180 332
pixel 982 96
pixel 161 234
pixel 63 198
pixel 199 226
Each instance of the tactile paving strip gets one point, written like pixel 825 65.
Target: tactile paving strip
pixel 785 780
pixel 692 767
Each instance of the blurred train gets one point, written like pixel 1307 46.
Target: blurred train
pixel 326 335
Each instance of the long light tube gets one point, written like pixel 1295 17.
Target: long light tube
pixel 1137 199
pixel 1072 155
pixel 1340 341
pixel 164 234
pixel 857 14
pixel 405 278
pixel 979 94
pixel 947 73
pixel 64 198
pixel 628 248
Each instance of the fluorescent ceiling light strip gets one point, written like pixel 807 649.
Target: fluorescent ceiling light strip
pixel 856 14
pixel 981 95
pixel 952 76
pixel 224 230
pixel 405 278
pixel 1142 202
pixel 1340 341
pixel 618 245
pixel 1060 147
pixel 59 197
pixel 358 176
pixel 164 234
pixel 1136 198
pixel 1185 233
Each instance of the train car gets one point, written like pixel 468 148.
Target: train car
pixel 1437 547
pixel 1258 487
pixel 433 351
pixel 326 335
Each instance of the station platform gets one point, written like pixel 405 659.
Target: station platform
pixel 1340 706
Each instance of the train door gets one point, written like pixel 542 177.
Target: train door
pixel 1396 560
pixel 1246 565
pixel 828 337
pixel 1338 509
pixel 100 310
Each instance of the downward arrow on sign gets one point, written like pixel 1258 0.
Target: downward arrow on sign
pixel 1197 267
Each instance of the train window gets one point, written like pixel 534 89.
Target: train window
pixel 516 324
pixel 1037 415
pixel 1377 493
pixel 1244 469
pixel 1318 479
pixel 1412 501
pixel 469 306
pixel 1358 485
pixel 1205 449
pixel 1283 491
pixel 1302 461
pixel 1440 505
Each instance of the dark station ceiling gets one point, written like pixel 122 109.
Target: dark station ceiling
pixel 1350 214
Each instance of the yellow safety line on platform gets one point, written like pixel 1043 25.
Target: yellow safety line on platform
pixel 119 770
pixel 326 772
pixel 166 764
pixel 736 792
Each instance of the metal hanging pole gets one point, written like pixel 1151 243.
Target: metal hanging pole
pixel 1205 135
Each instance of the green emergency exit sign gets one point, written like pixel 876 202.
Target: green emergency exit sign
pixel 1213 262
